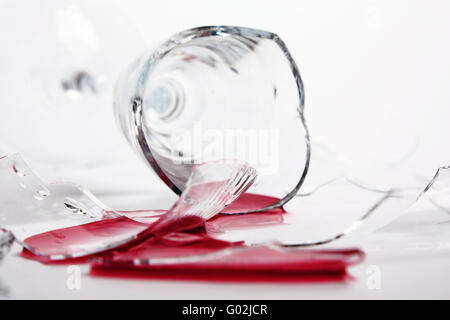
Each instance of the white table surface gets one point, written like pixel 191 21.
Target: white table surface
pixel 412 255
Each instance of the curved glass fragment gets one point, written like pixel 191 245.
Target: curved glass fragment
pixel 324 215
pixel 29 206
pixel 62 220
pixel 438 189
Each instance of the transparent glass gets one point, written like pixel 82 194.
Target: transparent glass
pixel 63 220
pixel 214 93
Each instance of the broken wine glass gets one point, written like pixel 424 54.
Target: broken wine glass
pixel 214 93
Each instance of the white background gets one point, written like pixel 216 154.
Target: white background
pixel 377 80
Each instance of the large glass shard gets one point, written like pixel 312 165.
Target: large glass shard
pixel 328 214
pixel 28 206
pixel 64 221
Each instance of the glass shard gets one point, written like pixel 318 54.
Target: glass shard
pixel 28 206
pixel 63 221
pixel 210 188
pixel 327 214
pixel 438 189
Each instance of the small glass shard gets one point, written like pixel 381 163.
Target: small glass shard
pixel 438 189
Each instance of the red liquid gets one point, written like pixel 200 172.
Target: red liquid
pixel 219 275
pixel 85 239
pixel 191 237
pixel 241 264
pixel 251 202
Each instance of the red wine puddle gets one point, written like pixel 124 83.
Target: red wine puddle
pixel 187 250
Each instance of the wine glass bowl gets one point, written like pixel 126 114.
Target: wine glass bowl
pixel 215 93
